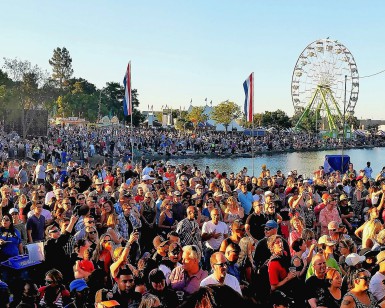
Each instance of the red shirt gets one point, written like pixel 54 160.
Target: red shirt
pixel 109 180
pixel 277 273
pixel 139 198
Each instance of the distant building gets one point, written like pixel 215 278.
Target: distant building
pixel 367 123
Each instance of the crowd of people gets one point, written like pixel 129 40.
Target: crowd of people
pixel 64 143
pixel 153 234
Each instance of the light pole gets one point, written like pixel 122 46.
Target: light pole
pixel 100 103
pixel 343 128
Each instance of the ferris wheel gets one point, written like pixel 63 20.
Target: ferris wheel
pixel 318 82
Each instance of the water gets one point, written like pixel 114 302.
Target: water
pixel 304 162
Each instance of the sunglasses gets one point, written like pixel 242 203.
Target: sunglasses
pixel 91 221
pixel 106 241
pixel 92 232
pixel 268 229
pixel 49 281
pixel 81 198
pixel 366 278
pixel 6 219
pixel 224 264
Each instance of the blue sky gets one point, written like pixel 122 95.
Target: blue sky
pixel 182 50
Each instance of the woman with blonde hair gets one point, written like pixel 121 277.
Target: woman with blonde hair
pixel 369 230
pixel 22 204
pixel 233 211
pixel 297 226
pixel 112 230
pixel 102 256
pixel 149 301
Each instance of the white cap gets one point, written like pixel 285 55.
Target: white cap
pixel 353 259
pixel 268 193
pixel 146 177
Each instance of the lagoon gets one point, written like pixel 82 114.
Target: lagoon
pixel 304 162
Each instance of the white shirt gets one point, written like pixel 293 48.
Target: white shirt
pixel 167 271
pixel 230 281
pixel 210 227
pixel 376 287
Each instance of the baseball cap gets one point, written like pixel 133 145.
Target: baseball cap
pixel 13 210
pixel 279 298
pixel 324 239
pixel 343 197
pixel 146 177
pixel 271 224
pixel 380 257
pixel 268 193
pixel 86 266
pixel 78 285
pixel 333 225
pixel 198 186
pixel 325 196
pixel 104 297
pixel 353 259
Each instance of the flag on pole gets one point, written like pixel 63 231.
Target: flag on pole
pixel 127 103
pixel 248 86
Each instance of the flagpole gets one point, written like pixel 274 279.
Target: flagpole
pixel 132 139
pixel 252 121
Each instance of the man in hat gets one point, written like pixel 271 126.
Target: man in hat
pixel 79 292
pixel 178 209
pixel 327 246
pixel 99 193
pixel 262 251
pixel 377 286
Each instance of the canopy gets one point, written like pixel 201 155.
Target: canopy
pixel 335 162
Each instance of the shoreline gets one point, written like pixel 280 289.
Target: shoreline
pixel 248 155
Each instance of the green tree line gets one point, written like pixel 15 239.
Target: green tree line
pixel 24 86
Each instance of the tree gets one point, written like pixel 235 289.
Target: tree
pixel 197 116
pixel 80 85
pixel 308 123
pixel 25 95
pixel 225 112
pixel 278 119
pixel 61 63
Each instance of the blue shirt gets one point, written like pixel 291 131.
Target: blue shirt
pixel 11 248
pixel 246 200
